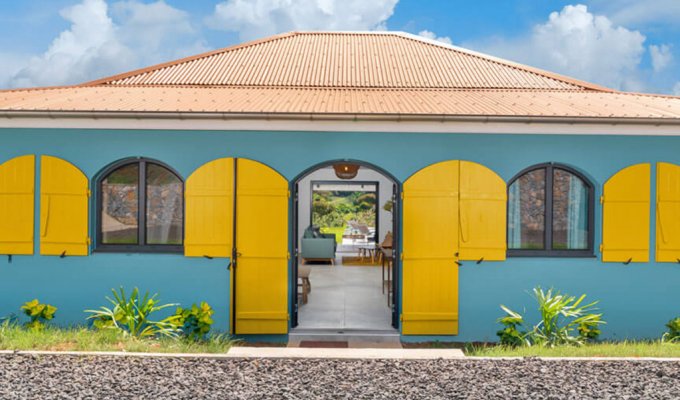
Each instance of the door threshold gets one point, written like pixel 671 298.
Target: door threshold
pixel 389 338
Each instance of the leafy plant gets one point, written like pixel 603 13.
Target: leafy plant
pixel 564 320
pixel 673 334
pixel 195 322
pixel 132 315
pixel 39 313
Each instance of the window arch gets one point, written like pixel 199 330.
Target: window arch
pixel 550 212
pixel 140 207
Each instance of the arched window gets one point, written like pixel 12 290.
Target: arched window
pixel 140 207
pixel 550 212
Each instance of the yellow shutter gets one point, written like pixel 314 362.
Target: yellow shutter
pixel 209 210
pixel 625 228
pixel 483 209
pixel 17 203
pixel 63 208
pixel 667 212
pixel 262 244
pixel 430 270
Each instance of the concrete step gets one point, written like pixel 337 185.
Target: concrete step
pixel 354 338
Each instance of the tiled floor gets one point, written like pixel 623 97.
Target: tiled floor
pixel 345 297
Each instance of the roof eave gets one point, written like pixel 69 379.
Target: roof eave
pixel 357 117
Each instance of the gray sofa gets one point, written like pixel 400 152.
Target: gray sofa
pixel 317 246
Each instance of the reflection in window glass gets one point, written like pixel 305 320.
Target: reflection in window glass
pixel 163 206
pixel 570 212
pixel 120 202
pixel 526 211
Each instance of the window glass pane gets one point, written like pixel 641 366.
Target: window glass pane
pixel 570 212
pixel 120 194
pixel 164 206
pixel 526 211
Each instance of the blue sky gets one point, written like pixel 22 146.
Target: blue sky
pixel 625 44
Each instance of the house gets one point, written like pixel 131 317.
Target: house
pixel 194 179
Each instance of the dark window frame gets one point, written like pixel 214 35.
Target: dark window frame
pixel 548 251
pixel 141 247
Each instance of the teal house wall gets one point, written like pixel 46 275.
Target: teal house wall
pixel 636 299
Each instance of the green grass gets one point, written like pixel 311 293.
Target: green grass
pixel 337 231
pixel 605 349
pixel 13 337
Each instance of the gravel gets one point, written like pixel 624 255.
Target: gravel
pixel 110 377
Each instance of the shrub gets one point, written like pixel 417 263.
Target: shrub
pixel 673 334
pixel 39 313
pixel 133 315
pixel 563 321
pixel 195 322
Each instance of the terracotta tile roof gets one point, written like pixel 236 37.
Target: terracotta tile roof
pixel 372 73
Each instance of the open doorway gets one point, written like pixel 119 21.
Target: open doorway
pixel 345 264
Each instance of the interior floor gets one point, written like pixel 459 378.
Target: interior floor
pixel 345 297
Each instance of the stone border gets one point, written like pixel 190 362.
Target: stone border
pixel 322 353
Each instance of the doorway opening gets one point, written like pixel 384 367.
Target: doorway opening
pixel 345 233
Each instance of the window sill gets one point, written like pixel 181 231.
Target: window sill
pixel 151 249
pixel 551 253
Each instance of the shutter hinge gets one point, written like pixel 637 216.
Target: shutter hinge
pixel 288 194
pixel 89 241
pixel 601 248
pixel 402 195
pixel 401 256
pixel 89 193
pixel 601 199
pixel 401 317
pixel 288 255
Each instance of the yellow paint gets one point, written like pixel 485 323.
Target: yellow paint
pixel 430 245
pixel 209 210
pixel 262 245
pixel 63 208
pixel 625 228
pixel 17 202
pixel 667 212
pixel 483 210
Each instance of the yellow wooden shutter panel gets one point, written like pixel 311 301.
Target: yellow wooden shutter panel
pixel 483 209
pixel 209 209
pixel 262 244
pixel 63 208
pixel 667 212
pixel 17 204
pixel 625 229
pixel 430 272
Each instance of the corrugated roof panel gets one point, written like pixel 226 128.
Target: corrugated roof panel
pixel 347 101
pixel 347 60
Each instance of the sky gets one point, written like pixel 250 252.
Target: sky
pixel 629 45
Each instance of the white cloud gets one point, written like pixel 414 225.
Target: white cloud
pixel 102 41
pixel 640 12
pixel 433 36
pixel 253 19
pixel 661 57
pixel 575 42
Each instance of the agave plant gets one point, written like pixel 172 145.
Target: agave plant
pixel 132 315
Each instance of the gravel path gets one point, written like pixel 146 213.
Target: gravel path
pixel 109 377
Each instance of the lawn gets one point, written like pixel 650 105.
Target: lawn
pixel 605 349
pixel 14 337
pixel 337 231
